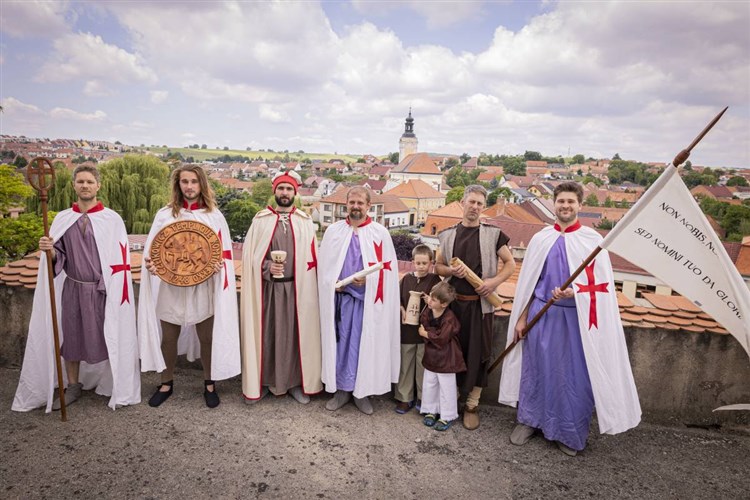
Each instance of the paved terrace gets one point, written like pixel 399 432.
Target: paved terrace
pixel 280 449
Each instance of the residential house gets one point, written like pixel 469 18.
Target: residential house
pixel 420 197
pixel 418 166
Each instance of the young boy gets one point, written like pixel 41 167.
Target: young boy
pixel 412 347
pixel 442 358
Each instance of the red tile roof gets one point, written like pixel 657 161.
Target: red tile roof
pixel 415 189
pixel 417 163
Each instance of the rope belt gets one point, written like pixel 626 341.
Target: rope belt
pixel 83 282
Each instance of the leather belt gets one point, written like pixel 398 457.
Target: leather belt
pixel 283 280
pixel 467 297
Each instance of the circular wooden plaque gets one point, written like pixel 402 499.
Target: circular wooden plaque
pixel 185 253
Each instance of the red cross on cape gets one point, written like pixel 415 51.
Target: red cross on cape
pixel 592 287
pixel 313 264
pixel 124 268
pixel 386 267
pixel 225 254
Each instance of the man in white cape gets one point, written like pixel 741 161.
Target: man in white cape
pixel 575 357
pixel 201 321
pixel 359 323
pixel 94 307
pixel 280 318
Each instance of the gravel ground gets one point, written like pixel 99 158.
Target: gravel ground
pixel 281 449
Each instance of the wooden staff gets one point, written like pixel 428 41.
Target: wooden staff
pixel 681 157
pixel 36 173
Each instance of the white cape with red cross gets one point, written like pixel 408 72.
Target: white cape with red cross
pixel 380 344
pixel 615 395
pixel 118 376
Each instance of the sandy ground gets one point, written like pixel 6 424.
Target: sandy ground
pixel 281 449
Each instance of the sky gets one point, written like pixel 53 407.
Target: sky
pixel 638 78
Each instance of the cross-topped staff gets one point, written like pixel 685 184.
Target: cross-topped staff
pixel 681 157
pixel 41 174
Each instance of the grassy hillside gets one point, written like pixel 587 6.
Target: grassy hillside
pixel 206 154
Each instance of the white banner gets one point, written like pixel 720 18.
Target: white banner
pixel 667 234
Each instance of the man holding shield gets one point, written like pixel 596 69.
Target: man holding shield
pixel 206 313
pixel 279 300
pixel 360 324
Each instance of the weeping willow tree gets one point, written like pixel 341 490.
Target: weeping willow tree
pixel 136 187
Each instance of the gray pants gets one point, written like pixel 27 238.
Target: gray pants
pixel 411 372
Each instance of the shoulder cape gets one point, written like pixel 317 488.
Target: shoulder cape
pixel 225 356
pixel 615 394
pixel 379 349
pixel 117 376
pixel 257 242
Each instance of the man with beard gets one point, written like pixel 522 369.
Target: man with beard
pixel 89 247
pixel 203 317
pixel 575 357
pixel 483 249
pixel 279 301
pixel 359 322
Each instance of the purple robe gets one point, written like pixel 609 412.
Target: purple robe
pixel 555 394
pixel 83 296
pixel 349 313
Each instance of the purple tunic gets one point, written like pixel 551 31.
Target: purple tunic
pixel 556 394
pixel 349 314
pixel 83 296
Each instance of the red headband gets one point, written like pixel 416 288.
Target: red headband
pixel 285 178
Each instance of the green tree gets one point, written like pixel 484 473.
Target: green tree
pixel 455 177
pixel 455 194
pixel 532 156
pixel 616 156
pixel 13 189
pixel 591 200
pixel 608 202
pixel 239 215
pixel 464 158
pixel 590 178
pixel 605 224
pixel 20 236
pixel 20 162
pixel 136 187
pixel 578 159
pixel 262 191
pixel 492 198
pixel 737 181
pixel 688 165
pixel 393 157
pixel 514 165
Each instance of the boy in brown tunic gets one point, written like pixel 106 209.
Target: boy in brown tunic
pixel 442 358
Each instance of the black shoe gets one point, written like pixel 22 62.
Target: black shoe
pixel 159 397
pixel 212 398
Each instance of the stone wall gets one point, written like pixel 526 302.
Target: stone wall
pixel 681 376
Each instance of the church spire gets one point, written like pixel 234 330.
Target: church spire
pixel 409 126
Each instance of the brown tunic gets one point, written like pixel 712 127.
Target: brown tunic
pixel 410 283
pixel 281 358
pixel 476 328
pixel 442 352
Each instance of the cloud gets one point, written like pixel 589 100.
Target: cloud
pixel 95 88
pixel 86 56
pixel 36 19
pixel 283 46
pixel 159 96
pixel 274 114
pixel 69 114
pixel 12 106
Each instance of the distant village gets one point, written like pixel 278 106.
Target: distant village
pixel 417 194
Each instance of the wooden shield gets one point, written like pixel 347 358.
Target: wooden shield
pixel 185 253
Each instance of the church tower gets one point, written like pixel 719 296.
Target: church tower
pixel 407 145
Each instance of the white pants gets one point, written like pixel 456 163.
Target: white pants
pixel 439 395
